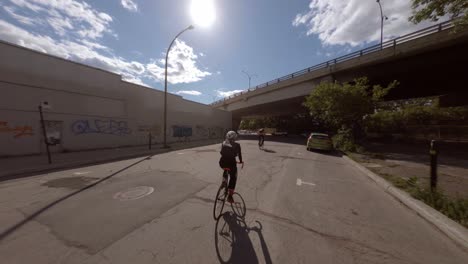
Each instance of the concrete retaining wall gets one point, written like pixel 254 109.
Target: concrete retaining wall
pixel 91 108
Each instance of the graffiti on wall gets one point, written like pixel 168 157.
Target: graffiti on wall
pixel 109 127
pixel 181 131
pixel 16 131
pixel 216 132
pixel 201 131
pixel 154 129
pixel 211 132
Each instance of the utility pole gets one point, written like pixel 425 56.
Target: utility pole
pixel 250 76
pixel 382 18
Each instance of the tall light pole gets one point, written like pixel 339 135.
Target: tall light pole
pixel 382 18
pixel 249 76
pixel 165 84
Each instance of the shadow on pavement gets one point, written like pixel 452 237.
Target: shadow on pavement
pixel 18 225
pixel 334 153
pixel 268 150
pixel 232 241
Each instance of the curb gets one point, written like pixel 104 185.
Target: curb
pixel 450 228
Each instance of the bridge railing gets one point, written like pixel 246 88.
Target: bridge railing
pixel 375 48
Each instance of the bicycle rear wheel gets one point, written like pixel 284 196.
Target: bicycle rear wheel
pixel 219 202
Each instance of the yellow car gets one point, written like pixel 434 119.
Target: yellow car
pixel 319 141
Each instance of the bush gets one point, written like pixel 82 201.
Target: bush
pixel 336 105
pixel 455 209
pixel 414 117
pixel 344 140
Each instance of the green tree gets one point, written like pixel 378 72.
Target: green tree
pixel 342 107
pixel 336 105
pixel 435 9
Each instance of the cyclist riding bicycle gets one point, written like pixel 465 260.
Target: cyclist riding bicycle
pixel 229 151
pixel 261 137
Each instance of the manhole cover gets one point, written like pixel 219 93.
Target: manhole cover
pixel 134 193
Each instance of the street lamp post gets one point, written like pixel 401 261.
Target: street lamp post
pixel 165 84
pixel 382 17
pixel 249 76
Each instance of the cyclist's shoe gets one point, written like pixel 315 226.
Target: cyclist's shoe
pixel 229 198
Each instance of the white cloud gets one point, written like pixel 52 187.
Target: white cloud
pixel 356 22
pixel 77 36
pixel 191 92
pixel 20 18
pixel 228 93
pixel 129 5
pixel 86 53
pixel 60 24
pixel 66 15
pixel 181 68
pixel 218 72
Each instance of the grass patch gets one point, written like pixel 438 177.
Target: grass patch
pixel 454 208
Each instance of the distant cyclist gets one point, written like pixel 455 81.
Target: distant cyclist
pixel 261 137
pixel 229 151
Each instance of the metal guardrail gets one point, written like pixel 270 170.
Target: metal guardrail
pixel 387 44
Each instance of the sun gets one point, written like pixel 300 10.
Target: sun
pixel 203 12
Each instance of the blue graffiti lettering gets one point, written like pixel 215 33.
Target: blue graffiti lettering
pixel 181 131
pixel 110 127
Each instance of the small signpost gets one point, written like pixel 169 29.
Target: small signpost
pixel 433 154
pixel 42 106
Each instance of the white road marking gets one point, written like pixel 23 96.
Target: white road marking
pixel 180 153
pixel 81 173
pixel 299 182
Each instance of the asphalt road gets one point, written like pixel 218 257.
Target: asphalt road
pixel 302 207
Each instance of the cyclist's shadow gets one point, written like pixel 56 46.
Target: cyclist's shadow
pixel 233 244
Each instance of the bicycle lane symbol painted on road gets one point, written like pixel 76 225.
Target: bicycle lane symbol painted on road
pixel 300 182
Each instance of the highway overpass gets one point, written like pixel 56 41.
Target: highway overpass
pixel 428 62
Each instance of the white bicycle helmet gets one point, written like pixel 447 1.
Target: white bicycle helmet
pixel 231 135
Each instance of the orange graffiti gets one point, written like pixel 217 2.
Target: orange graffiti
pixel 18 131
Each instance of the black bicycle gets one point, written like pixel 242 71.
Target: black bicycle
pixel 238 206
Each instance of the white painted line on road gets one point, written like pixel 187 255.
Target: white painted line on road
pixel 78 173
pixel 180 153
pixel 299 182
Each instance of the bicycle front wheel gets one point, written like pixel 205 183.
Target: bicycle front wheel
pixel 219 202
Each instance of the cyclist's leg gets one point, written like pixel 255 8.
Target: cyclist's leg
pixel 232 178
pixel 225 177
pixel 232 182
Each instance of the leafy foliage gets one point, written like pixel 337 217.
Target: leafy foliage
pixel 454 208
pixel 404 116
pixel 342 107
pixel 344 140
pixel 298 123
pixel 435 9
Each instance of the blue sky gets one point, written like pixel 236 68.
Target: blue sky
pixel 268 38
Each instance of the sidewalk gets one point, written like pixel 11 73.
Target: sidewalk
pixel 15 167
